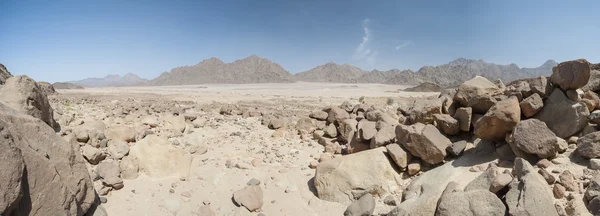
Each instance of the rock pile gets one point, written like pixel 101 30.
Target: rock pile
pixel 525 122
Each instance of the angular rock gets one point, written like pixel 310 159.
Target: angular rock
pixel 24 95
pixel 361 207
pixel 499 120
pixel 413 168
pixel 595 117
pixel 305 125
pixel 53 167
pixel 588 146
pixel 152 151
pixel 108 168
pixel 593 82
pixel 347 129
pixel 12 166
pixel 477 93
pixel 447 123
pixel 563 116
pixel 385 135
pixel 571 74
pixel 530 195
pixel 118 149
pixel 319 115
pixel 276 123
pixel 428 144
pixel 457 148
pixel 92 155
pixel 478 202
pixel 574 94
pixel 4 74
pixel 484 181
pixel 422 111
pixel 250 197
pixel 401 157
pixel 531 105
pixel 403 132
pixel 331 131
pixel 337 115
pixel 532 136
pixel 567 179
pixel 366 129
pixel 547 176
pixel 463 115
pixel 500 182
pixel 357 145
pixel 120 133
pixel 345 179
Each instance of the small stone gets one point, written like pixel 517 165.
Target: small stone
pixel 313 164
pixel 547 176
pixel 572 140
pixel 414 168
pixel 290 189
pixel 103 199
pixel 559 191
pixel 389 200
pixel 500 182
pixel 567 179
pixel 544 163
pixel 253 181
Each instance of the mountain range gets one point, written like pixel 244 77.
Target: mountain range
pixel 255 69
pixel 129 79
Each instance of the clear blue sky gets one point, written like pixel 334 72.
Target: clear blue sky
pixel 69 40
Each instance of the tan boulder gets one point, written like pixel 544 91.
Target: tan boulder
pixel 477 93
pixel 428 144
pixel 24 95
pixel 499 120
pixel 571 74
pixel 564 117
pixel 531 105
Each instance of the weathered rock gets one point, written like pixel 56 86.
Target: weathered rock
pixel 345 179
pixel 500 182
pixel 24 95
pixel 547 176
pixel 129 168
pixel 305 125
pixel 12 166
pixel 150 121
pixel 588 146
pixel 92 155
pixel 337 115
pixel 463 115
pixel 4 74
pixel 53 166
pixel 499 120
pixel 152 151
pixel 559 191
pixel 477 93
pixel 484 181
pixel 177 123
pixel 531 105
pixel 530 195
pixel 477 202
pixel 447 124
pixel 276 123
pixel 574 94
pixel 47 88
pixel 347 129
pixel 250 197
pixel 361 207
pixel 595 117
pixel 571 74
pixel 366 129
pixel 403 132
pixel 428 144
pixel 120 133
pixel 118 149
pixel 567 179
pixel 563 116
pixel 593 82
pixel 401 157
pixel 357 145
pixel 592 195
pixel 413 168
pixel 422 111
pixel 457 148
pixel 108 168
pixel 595 164
pixel 532 136
pixel 385 135
pixel 319 115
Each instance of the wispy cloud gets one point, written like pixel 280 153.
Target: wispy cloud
pixel 363 52
pixel 403 44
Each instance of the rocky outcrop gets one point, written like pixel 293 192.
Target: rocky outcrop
pixel 477 93
pixel 24 94
pixel 4 74
pixel 57 169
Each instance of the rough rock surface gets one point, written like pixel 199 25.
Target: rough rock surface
pixel 361 207
pixel 589 145
pixel 250 197
pixel 563 116
pixel 12 166
pixel 345 179
pixel 463 115
pixel 571 74
pixel 477 202
pixel 57 169
pixel 401 157
pixel 499 120
pixel 24 95
pixel 428 144
pixel 477 93
pixel 532 136
pixel 530 195
pixel 447 123
pixel 531 105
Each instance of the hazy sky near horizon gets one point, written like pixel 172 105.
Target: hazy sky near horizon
pixel 71 40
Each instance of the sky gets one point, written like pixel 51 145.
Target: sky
pixel 71 40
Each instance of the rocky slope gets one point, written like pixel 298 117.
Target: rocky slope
pixel 66 85
pixel 112 81
pixel 331 72
pixel 4 74
pixel 252 69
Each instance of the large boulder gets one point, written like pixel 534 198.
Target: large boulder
pixel 589 145
pixel 385 135
pixel 54 168
pixel 477 93
pixel 499 120
pixel 158 158
pixel 530 195
pixel 12 166
pixel 345 179
pixel 593 82
pixel 564 117
pixel 24 95
pixel 454 201
pixel 532 136
pixel 422 111
pixel 428 144
pixel 4 74
pixel 337 115
pixel 571 74
pixel 447 124
pixel 531 105
pixel 347 129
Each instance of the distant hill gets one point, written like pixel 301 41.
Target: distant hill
pixel 331 72
pixel 65 85
pixel 451 74
pixel 252 69
pixel 111 81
